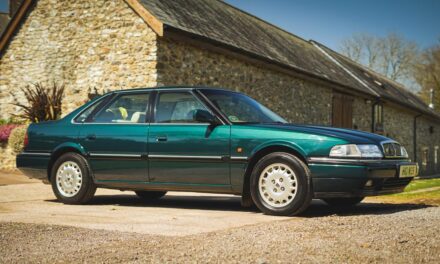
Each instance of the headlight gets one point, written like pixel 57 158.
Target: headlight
pixel 356 151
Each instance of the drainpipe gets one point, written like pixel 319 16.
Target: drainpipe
pixel 415 136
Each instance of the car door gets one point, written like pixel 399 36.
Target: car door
pixel 183 150
pixel 115 138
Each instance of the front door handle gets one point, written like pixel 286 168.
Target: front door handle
pixel 91 137
pixel 161 139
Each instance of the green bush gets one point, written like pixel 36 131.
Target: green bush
pixel 16 138
pixel 10 121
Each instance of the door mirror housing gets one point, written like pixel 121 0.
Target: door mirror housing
pixel 203 116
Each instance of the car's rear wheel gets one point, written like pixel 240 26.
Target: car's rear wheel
pixel 280 184
pixel 150 195
pixel 343 202
pixel 71 179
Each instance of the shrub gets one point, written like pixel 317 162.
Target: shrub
pixel 16 139
pixel 5 132
pixel 42 103
pixel 10 121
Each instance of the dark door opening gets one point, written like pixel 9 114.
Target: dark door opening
pixel 342 114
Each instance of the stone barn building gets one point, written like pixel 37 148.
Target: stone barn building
pixel 121 44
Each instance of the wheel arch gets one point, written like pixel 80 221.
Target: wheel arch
pixel 62 149
pixel 260 153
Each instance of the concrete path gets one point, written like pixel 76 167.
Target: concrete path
pixel 175 214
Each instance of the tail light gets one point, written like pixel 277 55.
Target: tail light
pixel 26 139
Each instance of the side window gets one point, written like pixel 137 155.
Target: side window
pixel 127 108
pixel 177 107
pixel 83 116
pixel 237 110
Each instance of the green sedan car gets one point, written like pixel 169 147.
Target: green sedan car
pixel 198 139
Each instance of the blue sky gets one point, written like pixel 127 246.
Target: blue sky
pixel 331 21
pixel 4 5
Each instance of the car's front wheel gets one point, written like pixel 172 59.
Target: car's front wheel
pixel 281 185
pixel 343 202
pixel 71 179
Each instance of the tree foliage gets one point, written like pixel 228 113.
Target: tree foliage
pixel 392 55
pixel 427 75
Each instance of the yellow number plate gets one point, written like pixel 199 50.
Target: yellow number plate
pixel 408 171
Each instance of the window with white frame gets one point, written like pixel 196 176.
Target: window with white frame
pixel 425 158
pixel 436 155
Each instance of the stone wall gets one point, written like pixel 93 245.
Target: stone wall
pixel 362 114
pixel 294 99
pixel 82 44
pixel 399 125
pixel 428 138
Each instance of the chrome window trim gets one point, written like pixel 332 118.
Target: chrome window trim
pixel 189 90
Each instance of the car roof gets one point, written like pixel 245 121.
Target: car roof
pixel 180 87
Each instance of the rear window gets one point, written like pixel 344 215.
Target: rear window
pixel 126 108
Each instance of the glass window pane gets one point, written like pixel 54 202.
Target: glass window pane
pixel 83 116
pixel 239 108
pixel 127 108
pixel 177 107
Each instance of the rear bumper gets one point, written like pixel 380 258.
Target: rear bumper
pixel 356 178
pixel 34 165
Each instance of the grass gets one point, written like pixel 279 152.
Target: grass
pixel 418 191
pixel 422 184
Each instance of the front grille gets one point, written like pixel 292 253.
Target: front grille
pixel 392 150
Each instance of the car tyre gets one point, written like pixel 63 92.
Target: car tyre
pixel 71 179
pixel 281 184
pixel 343 202
pixel 150 195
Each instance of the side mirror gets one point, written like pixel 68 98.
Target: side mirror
pixel 204 116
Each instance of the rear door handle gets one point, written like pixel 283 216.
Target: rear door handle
pixel 161 139
pixel 91 137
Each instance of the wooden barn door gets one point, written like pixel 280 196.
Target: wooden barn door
pixel 342 115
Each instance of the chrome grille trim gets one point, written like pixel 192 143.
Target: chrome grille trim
pixel 392 149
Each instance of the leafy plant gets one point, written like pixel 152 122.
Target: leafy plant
pixel 16 138
pixel 92 94
pixel 5 132
pixel 42 103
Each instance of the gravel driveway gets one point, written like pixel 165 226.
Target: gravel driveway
pixel 372 232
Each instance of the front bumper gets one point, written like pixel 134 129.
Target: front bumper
pixel 356 178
